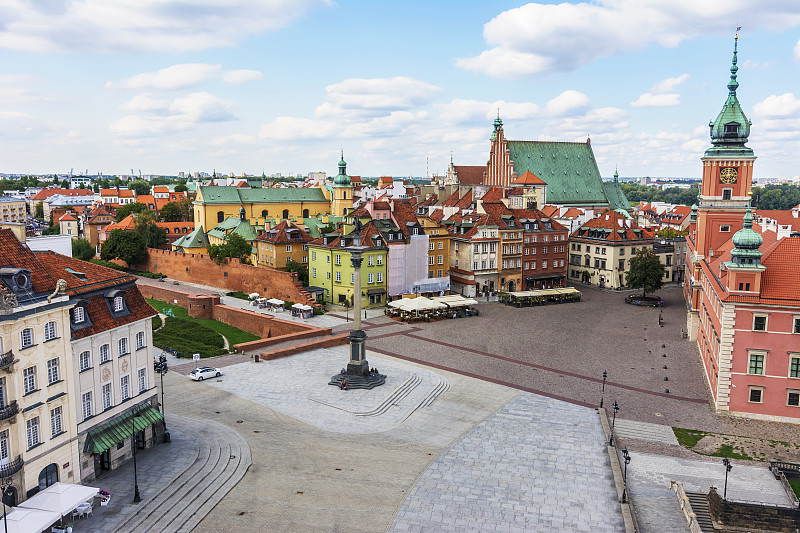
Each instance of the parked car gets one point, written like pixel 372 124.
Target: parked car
pixel 200 373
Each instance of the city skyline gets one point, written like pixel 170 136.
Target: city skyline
pixel 283 86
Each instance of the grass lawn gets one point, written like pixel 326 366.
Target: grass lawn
pixel 796 487
pixel 688 437
pixel 234 335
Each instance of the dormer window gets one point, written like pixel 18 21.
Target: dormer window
pixel 731 129
pixel 116 303
pixel 79 315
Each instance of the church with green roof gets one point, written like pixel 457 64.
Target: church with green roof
pixel 568 169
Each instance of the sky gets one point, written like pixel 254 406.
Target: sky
pixel 245 86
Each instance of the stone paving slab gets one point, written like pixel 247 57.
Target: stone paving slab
pixel 298 386
pixel 537 464
pixel 633 429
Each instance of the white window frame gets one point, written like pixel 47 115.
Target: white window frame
pixel 26 338
pixel 105 353
pixel 56 422
pixel 79 314
pixel 139 340
pixel 793 356
pixel 750 390
pixel 757 353
pixel 141 374
pixel 338 277
pixel 122 346
pixel 29 379
pixel 380 277
pixel 370 277
pixel 766 321
pixel 380 260
pixel 119 304
pixel 125 387
pixel 84 361
pixel 32 431
pixel 52 371
pixel 87 405
pixel 107 394
pixel 50 331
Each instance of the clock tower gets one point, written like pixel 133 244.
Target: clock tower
pixel 727 173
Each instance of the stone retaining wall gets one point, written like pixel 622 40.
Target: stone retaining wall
pixel 736 516
pixel 326 342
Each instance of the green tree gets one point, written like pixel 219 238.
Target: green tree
pixel 171 212
pixel 127 209
pixel 38 211
pixel 82 249
pixel 140 186
pixel 52 230
pixel 235 246
pixel 151 234
pixel 647 272
pixel 128 246
pixel 64 184
pixel 670 233
pixel 96 187
pixel 301 269
pixel 181 188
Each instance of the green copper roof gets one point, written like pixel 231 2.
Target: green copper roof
pixel 616 197
pixel 342 179
pixel 568 168
pixel 212 194
pixel 121 428
pixel 731 128
pixel 235 225
pixel 746 242
pixel 196 239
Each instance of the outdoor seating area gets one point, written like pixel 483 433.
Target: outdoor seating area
pixel 54 508
pixel 540 297
pixel 302 310
pixel 423 309
pixel 272 304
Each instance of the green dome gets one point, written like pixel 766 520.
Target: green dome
pixel 342 179
pixel 746 242
pixel 731 128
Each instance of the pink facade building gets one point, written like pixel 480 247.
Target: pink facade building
pixel 743 283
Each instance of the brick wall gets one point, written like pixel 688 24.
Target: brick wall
pixel 326 342
pixel 232 276
pixel 265 326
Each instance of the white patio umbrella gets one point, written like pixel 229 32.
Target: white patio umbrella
pixel 253 295
pixel 21 520
pixel 62 498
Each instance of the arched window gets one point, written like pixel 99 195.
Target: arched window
pixel 220 216
pixel 305 213
pixel 48 476
pixel 264 213
pixel 285 213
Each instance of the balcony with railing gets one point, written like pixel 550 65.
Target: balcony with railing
pixel 10 410
pixel 7 359
pixel 11 468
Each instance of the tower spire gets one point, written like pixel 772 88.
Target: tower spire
pixel 731 128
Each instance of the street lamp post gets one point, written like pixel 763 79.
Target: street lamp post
pixel 627 458
pixel 4 485
pixel 136 496
pixel 603 391
pixel 163 369
pixel 613 422
pixel 728 467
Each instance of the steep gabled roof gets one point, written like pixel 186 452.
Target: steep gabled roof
pixel 613 226
pixel 568 168
pixel 285 233
pixel 212 194
pixel 470 174
pixel 616 197
pixel 17 255
pixel 196 239
pixel 528 178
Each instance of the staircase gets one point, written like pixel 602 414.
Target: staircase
pixel 699 502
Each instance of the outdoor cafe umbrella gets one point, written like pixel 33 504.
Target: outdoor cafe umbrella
pixel 21 520
pixel 61 498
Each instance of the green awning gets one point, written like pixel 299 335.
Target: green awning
pixel 122 427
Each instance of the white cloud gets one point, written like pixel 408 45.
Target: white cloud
pixel 236 77
pixel 784 105
pixel 797 51
pixel 459 111
pixel 154 116
pixel 376 96
pixel 662 94
pixel 294 129
pixel 183 76
pixel 143 26
pixel 537 38
pixel 568 103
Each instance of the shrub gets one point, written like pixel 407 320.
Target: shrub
pixel 288 305
pixel 238 294
pixel 108 264
pixel 150 275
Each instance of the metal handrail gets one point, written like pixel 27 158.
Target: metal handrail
pixel 7 359
pixel 9 410
pixel 12 468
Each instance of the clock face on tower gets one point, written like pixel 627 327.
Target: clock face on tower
pixel 728 175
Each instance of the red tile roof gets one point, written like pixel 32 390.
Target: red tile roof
pixel 44 194
pixel 280 234
pixel 495 194
pixel 66 217
pixel 783 218
pixel 618 228
pixel 528 178
pixel 470 175
pixel 17 255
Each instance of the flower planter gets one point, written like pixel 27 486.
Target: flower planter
pixel 104 501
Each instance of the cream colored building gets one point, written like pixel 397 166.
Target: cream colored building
pixel 12 209
pixel 38 432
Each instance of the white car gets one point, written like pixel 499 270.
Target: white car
pixel 200 373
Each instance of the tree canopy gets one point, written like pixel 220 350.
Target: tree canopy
pixel 235 246
pixel 171 212
pixel 38 211
pixel 127 209
pixel 646 272
pixel 82 249
pixel 301 269
pixel 151 234
pixel 181 188
pixel 140 186
pixel 128 246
